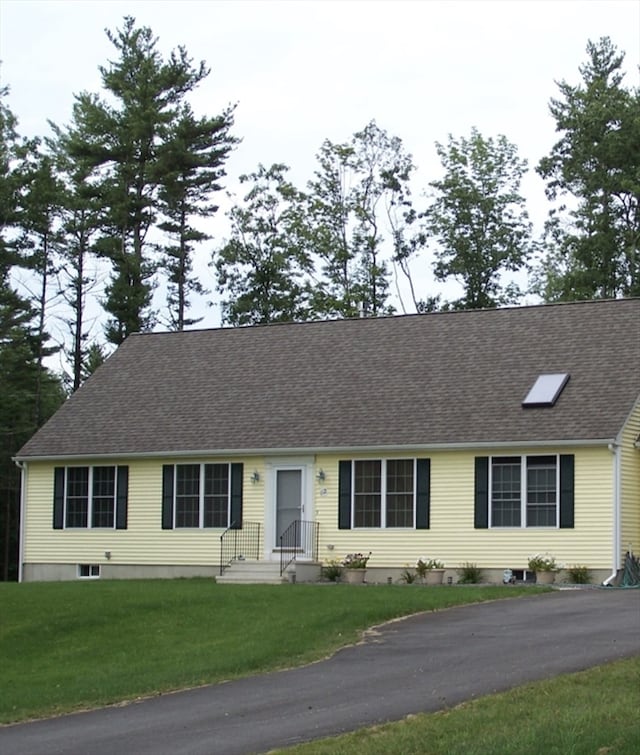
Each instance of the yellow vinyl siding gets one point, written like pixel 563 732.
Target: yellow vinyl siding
pixel 452 537
pixel 144 541
pixel 630 485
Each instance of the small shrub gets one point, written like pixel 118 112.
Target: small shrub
pixel 469 574
pixel 579 575
pixel 408 576
pixel 332 570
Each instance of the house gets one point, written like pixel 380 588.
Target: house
pixel 477 436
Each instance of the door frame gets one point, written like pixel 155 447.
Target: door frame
pixel 305 464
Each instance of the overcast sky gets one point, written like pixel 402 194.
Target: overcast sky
pixel 302 71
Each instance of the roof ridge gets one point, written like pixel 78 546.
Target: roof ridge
pixel 381 318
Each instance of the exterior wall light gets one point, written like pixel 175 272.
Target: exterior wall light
pixel 321 476
pixel 255 477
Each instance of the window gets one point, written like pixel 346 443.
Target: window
pixel 524 490
pixel 202 495
pixel 400 492
pixel 384 493
pixel 90 497
pixel 88 571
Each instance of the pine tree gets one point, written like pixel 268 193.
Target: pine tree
pixel 190 167
pixel 593 237
pixel 29 393
pixel 39 210
pixel 122 142
pixel 79 223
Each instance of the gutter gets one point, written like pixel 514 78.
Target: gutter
pixel 615 556
pixel 22 466
pixel 310 450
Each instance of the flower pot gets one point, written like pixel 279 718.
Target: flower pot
pixel 545 577
pixel 434 576
pixel 353 576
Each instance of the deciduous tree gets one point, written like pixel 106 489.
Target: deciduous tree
pixel 479 221
pixel 354 218
pixel 264 267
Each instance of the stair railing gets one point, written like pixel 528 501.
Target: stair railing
pixel 300 538
pixel 239 542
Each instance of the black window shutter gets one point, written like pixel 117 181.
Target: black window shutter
pixel 122 495
pixel 344 495
pixel 167 496
pixel 58 498
pixel 423 493
pixel 481 506
pixel 567 476
pixel 236 496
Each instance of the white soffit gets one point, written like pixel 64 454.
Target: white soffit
pixel 546 389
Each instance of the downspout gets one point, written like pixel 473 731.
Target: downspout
pixel 615 560
pixel 23 479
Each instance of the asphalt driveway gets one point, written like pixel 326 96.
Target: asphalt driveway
pixel 422 663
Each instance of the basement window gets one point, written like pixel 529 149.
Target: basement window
pixel 546 390
pixel 523 575
pixel 88 571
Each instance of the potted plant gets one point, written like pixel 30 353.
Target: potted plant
pixel 544 566
pixel 430 570
pixel 355 566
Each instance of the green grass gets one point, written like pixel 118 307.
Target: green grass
pixel 65 646
pixel 593 712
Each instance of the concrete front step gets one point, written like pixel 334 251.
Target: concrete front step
pixel 252 572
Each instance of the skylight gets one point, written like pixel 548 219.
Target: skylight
pixel 546 389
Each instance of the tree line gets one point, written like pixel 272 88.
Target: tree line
pixel 110 208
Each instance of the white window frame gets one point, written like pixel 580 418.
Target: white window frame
pixel 524 501
pixel 202 465
pixel 94 571
pixel 89 525
pixel 383 492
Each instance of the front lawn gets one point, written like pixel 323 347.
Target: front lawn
pixel 69 645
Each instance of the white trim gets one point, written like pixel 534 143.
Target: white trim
pixel 618 438
pixel 617 505
pixel 23 507
pixel 242 453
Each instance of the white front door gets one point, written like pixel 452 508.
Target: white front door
pixel 289 496
pixel 289 505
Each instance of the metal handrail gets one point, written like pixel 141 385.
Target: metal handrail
pixel 299 537
pixel 239 542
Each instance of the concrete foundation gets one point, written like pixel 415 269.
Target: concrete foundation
pixel 304 573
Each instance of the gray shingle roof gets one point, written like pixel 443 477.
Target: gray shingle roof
pixel 417 380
